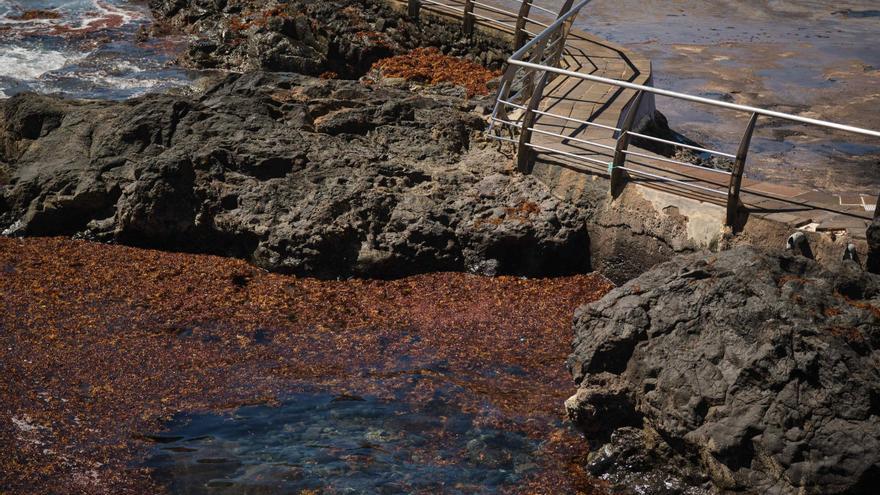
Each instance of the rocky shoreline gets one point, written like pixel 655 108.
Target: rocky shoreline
pixel 339 37
pixel 296 174
pixel 737 371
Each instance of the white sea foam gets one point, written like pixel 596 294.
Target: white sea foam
pixel 102 13
pixel 58 55
pixel 23 63
pixel 132 85
pixel 75 16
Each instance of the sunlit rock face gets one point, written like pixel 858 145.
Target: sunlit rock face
pixel 759 372
pixel 339 37
pixel 296 174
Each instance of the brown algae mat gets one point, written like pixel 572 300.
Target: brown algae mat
pixel 102 345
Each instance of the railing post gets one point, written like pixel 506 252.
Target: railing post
pixel 562 34
pixel 413 7
pixel 877 208
pixel 618 176
pixel 468 19
pixel 524 154
pixel 561 39
pixel 565 8
pixel 529 80
pixel 519 37
pixel 736 174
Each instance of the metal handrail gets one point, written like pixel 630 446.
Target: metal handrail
pixel 537 61
pixel 682 145
pixel 675 162
pixel 492 8
pixel 565 153
pixel 569 138
pixel 573 11
pixel 696 99
pixel 540 57
pixel 674 181
pixel 563 117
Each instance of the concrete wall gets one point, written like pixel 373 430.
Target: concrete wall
pixel 643 226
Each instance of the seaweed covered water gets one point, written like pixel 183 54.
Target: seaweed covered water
pixel 210 371
pixel 321 443
pixel 84 49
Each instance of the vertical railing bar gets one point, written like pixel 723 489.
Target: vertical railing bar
pixel 498 104
pixel 739 165
pixel 561 34
pixel 413 8
pixel 529 80
pixel 524 155
pixel 468 19
pixel 519 37
pixel 618 176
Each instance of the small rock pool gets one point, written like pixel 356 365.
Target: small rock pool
pixel 325 443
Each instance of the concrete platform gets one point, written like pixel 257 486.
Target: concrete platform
pixel 565 163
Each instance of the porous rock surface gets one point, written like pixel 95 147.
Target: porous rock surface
pixel 342 37
pixel 758 372
pixel 297 174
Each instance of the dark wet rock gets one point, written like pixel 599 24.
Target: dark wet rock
pixel 297 174
pixel 873 235
pixel 657 125
pixel 758 372
pixel 342 37
pixel 638 462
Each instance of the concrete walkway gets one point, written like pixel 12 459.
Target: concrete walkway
pixel 567 163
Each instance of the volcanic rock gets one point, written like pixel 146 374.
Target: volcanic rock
pixel 873 235
pixel 344 37
pixel 294 173
pixel 761 372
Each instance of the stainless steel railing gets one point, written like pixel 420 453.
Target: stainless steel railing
pixel 622 151
pixel 541 56
pixel 520 24
pixel 537 62
pixel 521 88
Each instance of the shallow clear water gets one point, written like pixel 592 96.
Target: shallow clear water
pixel 84 49
pixel 339 444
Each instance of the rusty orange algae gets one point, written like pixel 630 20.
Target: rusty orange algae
pixel 101 344
pixel 430 66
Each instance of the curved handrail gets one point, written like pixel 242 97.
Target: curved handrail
pixel 564 15
pixel 531 63
pixel 537 59
pixel 696 99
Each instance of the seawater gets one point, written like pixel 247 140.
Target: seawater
pixel 321 443
pixel 84 49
